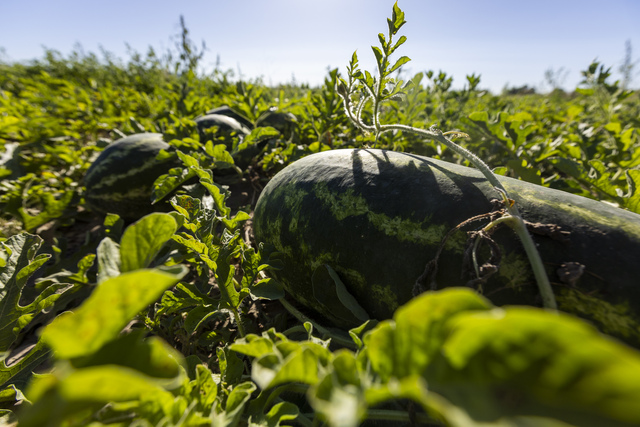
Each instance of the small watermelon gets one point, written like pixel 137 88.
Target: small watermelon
pixel 286 123
pixel 121 179
pixel 368 221
pixel 225 110
pixel 224 123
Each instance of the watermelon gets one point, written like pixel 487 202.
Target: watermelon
pixel 121 178
pixel 355 229
pixel 225 124
pixel 284 122
pixel 225 110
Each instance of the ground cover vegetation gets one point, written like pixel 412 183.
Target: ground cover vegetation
pixel 175 318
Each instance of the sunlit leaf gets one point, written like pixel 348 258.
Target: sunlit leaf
pixel 142 240
pixel 106 312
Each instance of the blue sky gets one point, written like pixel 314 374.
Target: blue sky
pixel 507 42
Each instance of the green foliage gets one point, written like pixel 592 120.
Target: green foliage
pixel 481 364
pixel 174 320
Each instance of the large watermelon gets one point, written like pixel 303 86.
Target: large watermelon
pixel 373 219
pixel 121 179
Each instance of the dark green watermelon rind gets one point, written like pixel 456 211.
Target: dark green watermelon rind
pixel 377 217
pixel 121 179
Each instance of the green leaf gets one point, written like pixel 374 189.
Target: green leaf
pixel 253 345
pixel 219 153
pixel 219 197
pixel 399 63
pixel 486 364
pixel 19 374
pixel 301 365
pixel 234 222
pixel 205 389
pixel 142 240
pixel 281 412
pixel 338 400
pixel 602 179
pixel 557 365
pixel 379 56
pixel 107 311
pixel 197 317
pixel 20 263
pixel 108 254
pixel 90 388
pixel 524 171
pixel 259 135
pixel 268 288
pixel 397 19
pixel 332 294
pixel 399 43
pixel 152 356
pixel 167 183
pixel 409 344
pixel 632 202
pixel 52 208
pixel 231 366
pixel 236 402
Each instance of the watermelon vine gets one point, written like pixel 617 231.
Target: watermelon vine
pixel 365 88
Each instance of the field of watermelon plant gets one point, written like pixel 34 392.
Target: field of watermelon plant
pixel 183 249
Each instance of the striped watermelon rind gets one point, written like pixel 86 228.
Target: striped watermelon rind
pixel 377 217
pixel 121 178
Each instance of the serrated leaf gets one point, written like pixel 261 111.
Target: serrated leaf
pixel 205 389
pixel 397 19
pixel 236 402
pixel 187 160
pixel 632 201
pixel 524 171
pixel 19 373
pixel 167 183
pixel 224 276
pixel 52 208
pixel 197 317
pixel 475 358
pixel 219 197
pixel 479 116
pixel 602 178
pixel 219 154
pixel 234 222
pixel 21 262
pixel 260 134
pixel 253 345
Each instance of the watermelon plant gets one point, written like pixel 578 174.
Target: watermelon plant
pixel 188 317
pixel 383 87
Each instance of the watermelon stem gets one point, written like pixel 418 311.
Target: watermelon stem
pixel 368 88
